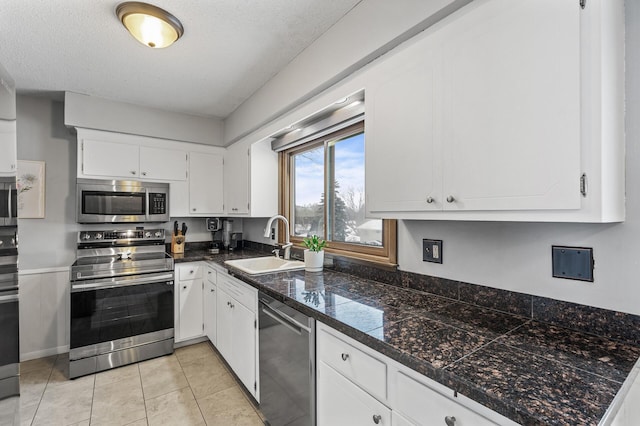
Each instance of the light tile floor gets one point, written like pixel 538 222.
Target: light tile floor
pixel 190 387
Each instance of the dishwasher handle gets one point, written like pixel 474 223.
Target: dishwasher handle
pixel 283 319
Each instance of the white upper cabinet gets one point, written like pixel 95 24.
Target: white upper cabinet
pixel 108 159
pixel 497 112
pixel 165 164
pixel 121 156
pixel 251 179
pixel 205 183
pixel 236 172
pixel 8 148
pixel 511 112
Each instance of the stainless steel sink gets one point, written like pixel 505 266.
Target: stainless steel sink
pixel 263 265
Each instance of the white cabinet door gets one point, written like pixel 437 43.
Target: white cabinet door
pixel 403 159
pixel 224 320
pixel 340 402
pixel 205 184
pixel 243 352
pixel 190 298
pixel 236 177
pixel 210 305
pixel 511 106
pixel 8 147
pixel 163 164
pixel 425 406
pixel 110 159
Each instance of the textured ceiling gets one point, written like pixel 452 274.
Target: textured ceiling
pixel 230 48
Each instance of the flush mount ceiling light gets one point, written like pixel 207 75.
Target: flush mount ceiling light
pixel 150 25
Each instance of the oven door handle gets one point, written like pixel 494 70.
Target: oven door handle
pixel 8 299
pixel 168 278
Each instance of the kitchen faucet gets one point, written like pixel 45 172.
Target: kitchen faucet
pixel 288 244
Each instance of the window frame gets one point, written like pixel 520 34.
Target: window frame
pixel 386 254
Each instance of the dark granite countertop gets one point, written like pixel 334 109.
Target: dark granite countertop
pixel 531 372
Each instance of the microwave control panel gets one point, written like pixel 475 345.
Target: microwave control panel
pixel 157 203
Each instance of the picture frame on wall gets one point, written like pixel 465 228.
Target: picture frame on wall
pixel 31 189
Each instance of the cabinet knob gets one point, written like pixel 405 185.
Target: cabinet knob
pixel 133 172
pixel 213 290
pixel 450 420
pixel 430 200
pixel 345 357
pixel 377 418
pixel 193 209
pixel 184 287
pixel 191 271
pixel 144 173
pixel 450 199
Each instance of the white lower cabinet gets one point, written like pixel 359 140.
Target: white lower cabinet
pixel 236 329
pixel 389 394
pixel 189 302
pixel 341 402
pixel 210 304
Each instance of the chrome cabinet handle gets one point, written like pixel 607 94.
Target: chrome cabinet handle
pixel 430 200
pixel 450 199
pixel 345 357
pixel 377 418
pixel 450 420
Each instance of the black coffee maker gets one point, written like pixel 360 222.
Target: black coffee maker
pixel 214 225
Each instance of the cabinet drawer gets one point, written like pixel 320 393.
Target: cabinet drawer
pixel 361 368
pixel 189 271
pixel 243 293
pixel 425 406
pixel 211 275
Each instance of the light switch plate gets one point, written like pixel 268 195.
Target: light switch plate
pixel 432 251
pixel 573 263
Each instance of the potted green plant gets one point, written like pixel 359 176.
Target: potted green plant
pixel 314 254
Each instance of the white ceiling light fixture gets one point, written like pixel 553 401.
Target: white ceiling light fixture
pixel 150 25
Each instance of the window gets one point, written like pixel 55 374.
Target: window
pixel 323 194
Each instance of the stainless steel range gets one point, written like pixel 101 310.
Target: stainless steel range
pixel 122 300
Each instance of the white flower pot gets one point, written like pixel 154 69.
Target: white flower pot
pixel 313 260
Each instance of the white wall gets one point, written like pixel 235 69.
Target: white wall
pixel 42 136
pixel 91 112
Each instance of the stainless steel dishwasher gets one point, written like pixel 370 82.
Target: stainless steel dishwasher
pixel 287 364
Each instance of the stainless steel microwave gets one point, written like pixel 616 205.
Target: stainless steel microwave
pixel 116 201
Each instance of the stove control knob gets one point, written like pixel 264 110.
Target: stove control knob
pixel 86 236
pixel 147 234
pixel 158 234
pixel 98 236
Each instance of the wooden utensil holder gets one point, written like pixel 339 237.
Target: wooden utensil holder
pixel 177 243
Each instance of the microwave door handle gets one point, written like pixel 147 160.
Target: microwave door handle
pixel 10 187
pixel 146 198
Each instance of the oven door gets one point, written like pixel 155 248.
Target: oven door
pixel 114 313
pixel 9 344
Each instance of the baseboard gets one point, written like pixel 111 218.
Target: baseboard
pixel 190 342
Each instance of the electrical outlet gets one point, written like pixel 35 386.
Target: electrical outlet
pixel 273 233
pixel 573 263
pixel 432 251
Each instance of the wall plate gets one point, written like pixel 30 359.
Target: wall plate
pixel 432 251
pixel 573 263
